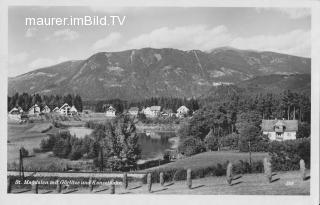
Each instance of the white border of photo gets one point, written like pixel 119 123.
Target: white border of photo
pixel 85 199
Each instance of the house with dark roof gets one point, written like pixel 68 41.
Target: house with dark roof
pixel 280 129
pixel 153 111
pixel 133 111
pixel 65 109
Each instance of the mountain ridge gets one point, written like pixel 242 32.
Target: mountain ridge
pixel 147 72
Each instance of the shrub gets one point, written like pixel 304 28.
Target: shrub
pixel 191 146
pixel 61 148
pixel 303 130
pixel 75 154
pixel 47 145
pixel 259 144
pixel 211 141
pixel 180 174
pixel 231 141
pixel 286 155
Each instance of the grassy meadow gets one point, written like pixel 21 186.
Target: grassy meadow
pixel 212 158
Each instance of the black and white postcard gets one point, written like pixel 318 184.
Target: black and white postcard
pixel 160 101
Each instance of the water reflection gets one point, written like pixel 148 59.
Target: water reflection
pixel 154 144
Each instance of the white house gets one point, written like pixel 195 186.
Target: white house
pixel 46 109
pixel 280 129
pixel 34 110
pixel 167 113
pixel 111 112
pixel 73 110
pixel 56 109
pixel 182 111
pixel 65 109
pixel 153 111
pixel 14 111
pixel 133 111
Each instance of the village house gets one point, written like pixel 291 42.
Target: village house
pixel 46 109
pixel 182 111
pixel 56 109
pixel 111 112
pixel 73 110
pixel 167 113
pixel 65 109
pixel 280 129
pixel 16 111
pixel 133 111
pixel 34 110
pixel 153 111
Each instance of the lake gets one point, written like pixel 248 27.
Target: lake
pixel 152 144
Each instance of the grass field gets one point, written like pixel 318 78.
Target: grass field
pixel 27 135
pixel 284 183
pixel 212 158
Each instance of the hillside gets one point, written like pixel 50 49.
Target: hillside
pixel 147 72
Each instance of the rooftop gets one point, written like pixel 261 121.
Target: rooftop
pixel 268 125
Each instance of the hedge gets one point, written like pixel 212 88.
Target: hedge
pixel 179 174
pixel 285 155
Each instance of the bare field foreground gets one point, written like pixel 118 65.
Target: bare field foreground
pixel 283 183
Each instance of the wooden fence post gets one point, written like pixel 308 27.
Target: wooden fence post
pixel 34 188
pixel 302 169
pixel 9 185
pixel 161 179
pixel 125 181
pixel 59 187
pixel 189 180
pixel 229 173
pixel 149 182
pixel 112 187
pixel 90 184
pixel 267 169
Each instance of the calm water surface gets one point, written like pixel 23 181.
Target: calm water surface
pixel 152 144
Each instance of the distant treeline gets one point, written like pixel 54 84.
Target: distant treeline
pixel 165 103
pixel 26 101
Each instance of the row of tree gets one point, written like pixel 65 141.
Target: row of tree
pixel 26 101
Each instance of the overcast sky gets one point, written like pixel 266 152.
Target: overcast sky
pixel 31 47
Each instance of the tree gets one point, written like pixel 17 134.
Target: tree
pixel 303 130
pixel 212 141
pixel 118 144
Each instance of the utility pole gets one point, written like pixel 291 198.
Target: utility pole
pixel 250 153
pixel 101 159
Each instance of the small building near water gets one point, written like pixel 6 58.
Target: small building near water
pixel 111 111
pixel 280 129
